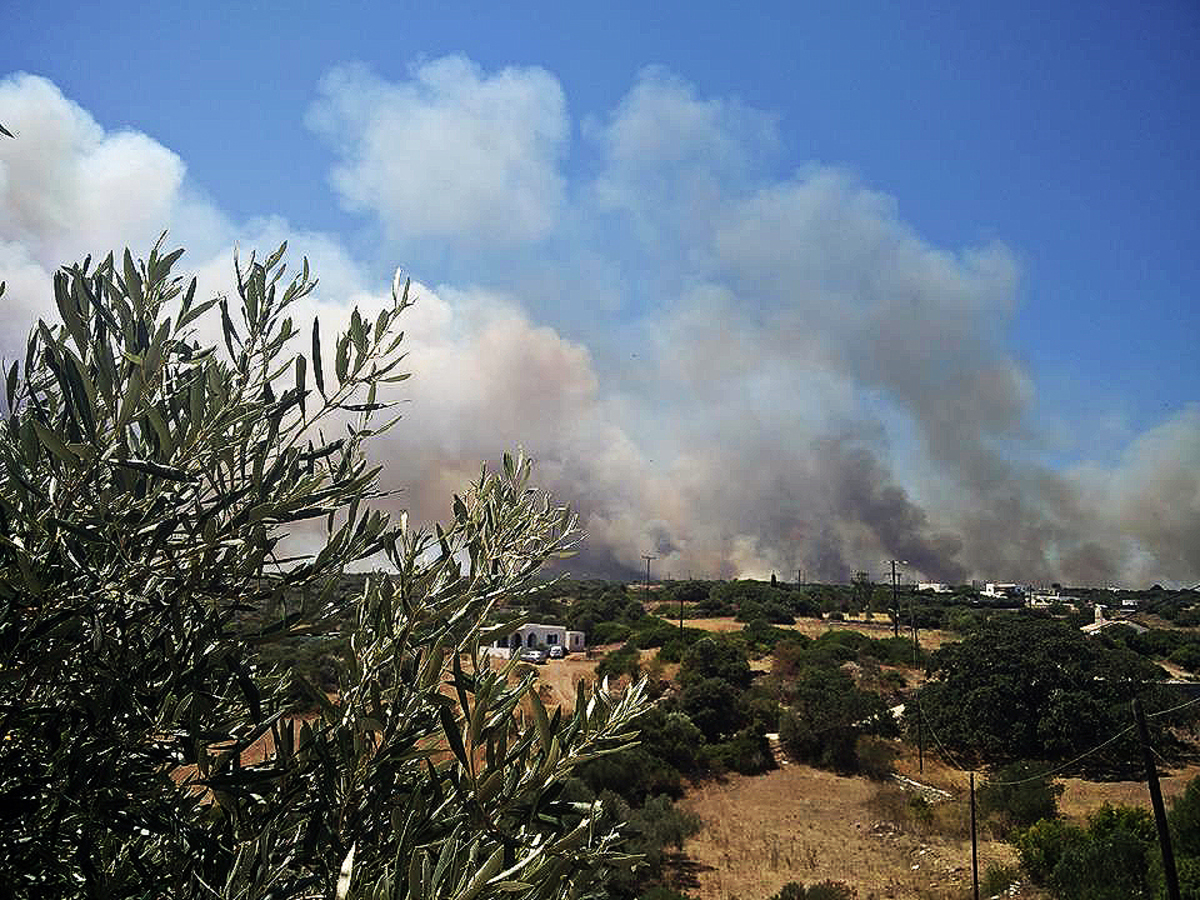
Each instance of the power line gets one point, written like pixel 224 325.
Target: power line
pixel 1066 765
pixel 937 740
pixel 1163 712
pixel 1055 769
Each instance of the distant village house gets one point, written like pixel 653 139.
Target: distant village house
pixel 538 637
pixel 1101 623
pixel 935 587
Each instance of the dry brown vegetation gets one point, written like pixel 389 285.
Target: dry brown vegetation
pixel 803 824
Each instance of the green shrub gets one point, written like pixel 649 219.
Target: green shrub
pixel 875 757
pixel 609 633
pixel 998 878
pixel 1019 805
pixel 824 890
pixel 1108 860
pixel 1184 819
pixel 825 715
pixel 715 706
pixel 830 890
pixel 625 660
pixel 659 892
pixel 761 636
pixel 1187 657
pixel 748 752
pixel 148 486
pixel 720 658
pixel 1041 846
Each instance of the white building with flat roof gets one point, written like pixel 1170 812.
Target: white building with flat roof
pixel 935 587
pixel 533 636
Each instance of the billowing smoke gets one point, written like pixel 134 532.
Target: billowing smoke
pixel 738 370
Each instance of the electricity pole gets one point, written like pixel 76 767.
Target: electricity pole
pixel 1160 814
pixel 896 597
pixel 647 559
pixel 974 845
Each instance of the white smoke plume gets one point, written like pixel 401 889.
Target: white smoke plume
pixel 741 371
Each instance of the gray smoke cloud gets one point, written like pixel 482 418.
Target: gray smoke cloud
pixel 741 371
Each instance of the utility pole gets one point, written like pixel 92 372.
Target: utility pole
pixel 920 740
pixel 912 621
pixel 896 597
pixel 974 844
pixel 1160 814
pixel 647 559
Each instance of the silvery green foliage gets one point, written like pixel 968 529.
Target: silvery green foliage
pixel 146 483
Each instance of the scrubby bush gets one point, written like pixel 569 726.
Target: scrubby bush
pixel 773 611
pixel 1184 819
pixel 655 632
pixel 624 661
pixel 610 603
pixel 1019 805
pixel 824 717
pixel 1187 656
pixel 715 658
pixel 998 878
pixel 609 633
pixel 1107 859
pixel 761 637
pixel 672 650
pixel 714 705
pixel 875 757
pixel 748 752
pixel 790 656
pixel 823 890
pixel 660 892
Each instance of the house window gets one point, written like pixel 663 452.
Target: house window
pixel 552 639
pixel 531 641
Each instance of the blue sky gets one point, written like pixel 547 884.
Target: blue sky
pixel 1063 132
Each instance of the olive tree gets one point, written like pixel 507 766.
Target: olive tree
pixel 148 483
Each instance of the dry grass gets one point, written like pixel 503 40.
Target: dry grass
pixel 803 824
pixel 1083 797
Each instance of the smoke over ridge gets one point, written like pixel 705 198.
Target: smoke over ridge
pixel 740 371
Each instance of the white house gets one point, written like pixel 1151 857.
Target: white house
pixel 1101 623
pixel 935 587
pixel 1043 599
pixel 1001 590
pixel 533 636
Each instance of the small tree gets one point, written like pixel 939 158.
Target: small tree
pixel 147 482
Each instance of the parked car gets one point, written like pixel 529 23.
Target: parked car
pixel 556 652
pixel 534 656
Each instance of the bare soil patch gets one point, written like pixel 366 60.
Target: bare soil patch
pixel 562 675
